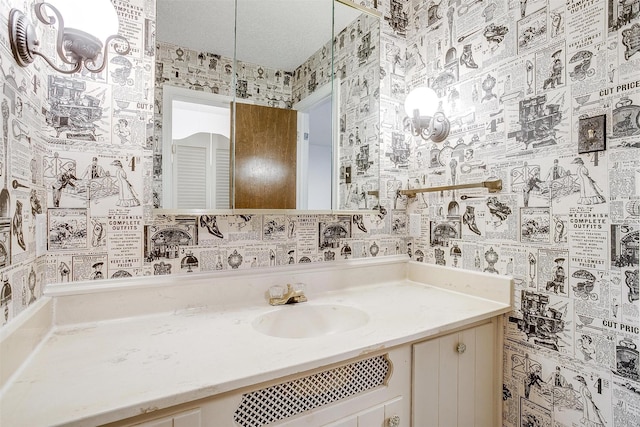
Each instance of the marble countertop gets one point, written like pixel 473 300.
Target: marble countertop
pixel 101 371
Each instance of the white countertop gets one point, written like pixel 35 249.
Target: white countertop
pixel 102 371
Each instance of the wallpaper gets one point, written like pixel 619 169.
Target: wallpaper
pixel 544 95
pixel 74 161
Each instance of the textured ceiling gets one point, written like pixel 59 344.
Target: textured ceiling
pixel 278 34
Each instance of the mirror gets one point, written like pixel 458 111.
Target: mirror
pixel 195 71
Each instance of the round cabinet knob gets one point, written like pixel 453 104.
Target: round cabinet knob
pixel 393 421
pixel 461 348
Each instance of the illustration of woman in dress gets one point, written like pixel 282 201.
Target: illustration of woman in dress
pixel 127 196
pixel 591 415
pixel 589 194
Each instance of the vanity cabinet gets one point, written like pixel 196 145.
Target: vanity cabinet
pixel 457 378
pixel 372 390
pixel 197 352
pixel 451 380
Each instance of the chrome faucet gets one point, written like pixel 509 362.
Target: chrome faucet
pixel 278 295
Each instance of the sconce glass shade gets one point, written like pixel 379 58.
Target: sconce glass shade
pixel 423 99
pixel 83 37
pixel 95 17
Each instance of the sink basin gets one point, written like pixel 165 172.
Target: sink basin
pixel 307 321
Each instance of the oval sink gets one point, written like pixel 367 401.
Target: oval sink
pixel 306 321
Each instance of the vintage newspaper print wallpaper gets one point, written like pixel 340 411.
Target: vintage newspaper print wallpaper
pixel 519 80
pixel 72 162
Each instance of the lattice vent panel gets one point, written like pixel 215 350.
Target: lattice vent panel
pixel 268 405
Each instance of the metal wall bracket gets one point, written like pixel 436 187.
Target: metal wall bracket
pixel 493 186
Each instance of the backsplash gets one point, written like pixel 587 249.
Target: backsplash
pixel 523 82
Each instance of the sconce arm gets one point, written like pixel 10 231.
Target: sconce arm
pixel 40 11
pixel 75 69
pixel 121 49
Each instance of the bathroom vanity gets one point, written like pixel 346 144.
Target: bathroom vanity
pixel 375 339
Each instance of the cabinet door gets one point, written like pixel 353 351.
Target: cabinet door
pixel 184 419
pixel 394 415
pixel 164 422
pixel 388 414
pixel 187 419
pixel 372 418
pixel 455 379
pixel 351 421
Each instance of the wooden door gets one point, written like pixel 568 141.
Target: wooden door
pixel 265 157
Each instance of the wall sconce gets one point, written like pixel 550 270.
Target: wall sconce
pixel 83 36
pixel 427 120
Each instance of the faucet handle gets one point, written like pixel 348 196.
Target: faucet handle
pixel 276 291
pixel 298 292
pixel 298 287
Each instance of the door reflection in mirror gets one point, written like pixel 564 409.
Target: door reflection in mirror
pixel 264 174
pixel 320 162
pixel 197 161
pixel 316 186
pixel 199 175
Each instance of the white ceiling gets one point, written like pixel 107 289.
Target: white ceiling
pixel 277 34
